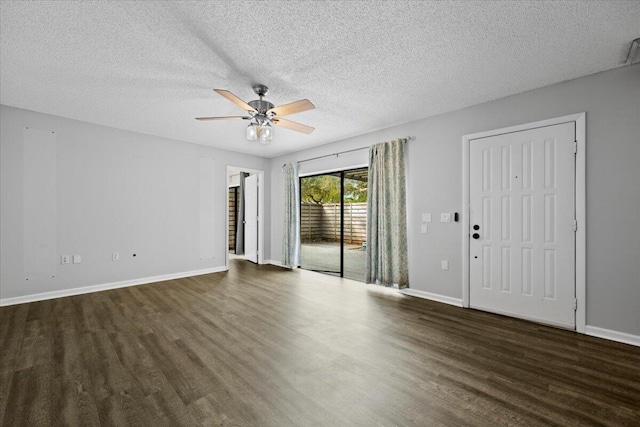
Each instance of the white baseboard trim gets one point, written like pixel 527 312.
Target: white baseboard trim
pixel 105 286
pixel 608 334
pixel 433 297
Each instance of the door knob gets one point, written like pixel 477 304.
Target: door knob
pixel 476 236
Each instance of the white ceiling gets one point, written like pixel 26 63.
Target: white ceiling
pixel 151 66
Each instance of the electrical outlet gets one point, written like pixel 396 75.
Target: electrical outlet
pixel 445 217
pixel 64 259
pixel 444 265
pixel 115 256
pixel 77 259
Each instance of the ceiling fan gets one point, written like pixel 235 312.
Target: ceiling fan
pixel 263 114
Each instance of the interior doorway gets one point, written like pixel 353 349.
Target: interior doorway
pixel 333 218
pixel 244 219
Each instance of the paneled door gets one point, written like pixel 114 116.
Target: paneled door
pixel 522 219
pixel 251 218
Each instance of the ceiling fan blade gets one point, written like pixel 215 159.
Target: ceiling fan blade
pixel 292 108
pixel 298 127
pixel 223 118
pixel 231 97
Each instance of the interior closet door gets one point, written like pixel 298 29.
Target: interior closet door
pixel 251 218
pixel 522 211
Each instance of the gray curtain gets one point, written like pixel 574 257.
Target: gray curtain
pixel 291 226
pixel 240 219
pixel 386 256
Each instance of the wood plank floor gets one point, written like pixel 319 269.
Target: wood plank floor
pixel 262 346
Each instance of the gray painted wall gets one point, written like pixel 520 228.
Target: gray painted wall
pixel 612 103
pixel 110 190
pixel 116 191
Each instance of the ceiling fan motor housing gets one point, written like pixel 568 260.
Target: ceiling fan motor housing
pixel 261 105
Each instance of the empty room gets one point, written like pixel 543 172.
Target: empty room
pixel 319 213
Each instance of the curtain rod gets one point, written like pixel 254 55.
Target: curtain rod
pixel 406 139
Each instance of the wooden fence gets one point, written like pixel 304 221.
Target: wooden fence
pixel 322 223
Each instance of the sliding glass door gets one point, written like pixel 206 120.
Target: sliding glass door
pixel 333 222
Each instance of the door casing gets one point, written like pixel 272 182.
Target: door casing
pixel 580 205
pixel 251 218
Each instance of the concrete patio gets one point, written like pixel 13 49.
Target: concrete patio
pixel 325 257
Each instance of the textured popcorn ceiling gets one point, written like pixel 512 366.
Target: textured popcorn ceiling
pixel 151 66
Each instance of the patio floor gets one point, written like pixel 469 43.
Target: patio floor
pixel 325 258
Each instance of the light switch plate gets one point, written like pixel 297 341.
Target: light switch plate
pixel 444 265
pixel 77 259
pixel 445 217
pixel 426 217
pixel 424 229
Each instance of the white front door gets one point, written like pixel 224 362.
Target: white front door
pixel 251 218
pixel 522 238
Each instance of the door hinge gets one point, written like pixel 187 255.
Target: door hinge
pixel 575 303
pixel 575 147
pixel 575 225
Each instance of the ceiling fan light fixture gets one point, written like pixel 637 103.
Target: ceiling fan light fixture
pixel 266 133
pixel 252 132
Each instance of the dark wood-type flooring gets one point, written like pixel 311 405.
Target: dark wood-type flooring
pixel 262 346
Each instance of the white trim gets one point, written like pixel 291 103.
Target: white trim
pixel 261 198
pixel 466 226
pixel 433 297
pixel 608 334
pixel 581 217
pixel 580 206
pixel 106 286
pixel 526 126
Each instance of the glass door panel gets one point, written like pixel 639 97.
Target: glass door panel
pixel 320 223
pixel 355 223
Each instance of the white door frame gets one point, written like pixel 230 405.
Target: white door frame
pixel 260 174
pixel 580 205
